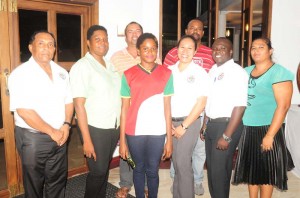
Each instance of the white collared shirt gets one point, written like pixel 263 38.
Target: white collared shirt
pixel 189 85
pixel 31 88
pixel 228 89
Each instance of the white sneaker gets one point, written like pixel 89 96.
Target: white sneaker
pixel 199 190
pixel 171 188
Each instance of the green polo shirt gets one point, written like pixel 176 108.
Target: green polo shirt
pixel 100 86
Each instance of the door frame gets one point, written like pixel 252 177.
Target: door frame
pixel 10 59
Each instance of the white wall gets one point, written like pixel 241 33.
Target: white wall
pixel 114 14
pixel 285 37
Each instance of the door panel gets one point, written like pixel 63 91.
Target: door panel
pixel 18 20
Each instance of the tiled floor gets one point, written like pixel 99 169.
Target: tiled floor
pixel 240 191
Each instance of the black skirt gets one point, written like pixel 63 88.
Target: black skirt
pixel 255 167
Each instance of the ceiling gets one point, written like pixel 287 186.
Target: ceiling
pixel 233 8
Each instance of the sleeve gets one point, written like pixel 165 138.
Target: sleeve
pixel 203 86
pixel 282 75
pixel 169 89
pixel 171 58
pixel 125 89
pixel 79 80
pixel 68 98
pixel 20 95
pixel 240 88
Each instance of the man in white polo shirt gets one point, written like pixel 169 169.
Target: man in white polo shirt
pixel 225 107
pixel 40 97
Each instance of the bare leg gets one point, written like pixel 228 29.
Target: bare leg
pixel 253 191
pixel 266 191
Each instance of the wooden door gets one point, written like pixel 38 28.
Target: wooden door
pixel 68 20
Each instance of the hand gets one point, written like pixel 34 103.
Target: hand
pixel 123 150
pixel 65 130
pixel 203 132
pixel 267 143
pixel 88 150
pixel 178 132
pixel 173 130
pixel 222 144
pixel 167 150
pixel 56 136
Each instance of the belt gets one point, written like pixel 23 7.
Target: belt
pixel 30 130
pixel 180 119
pixel 223 119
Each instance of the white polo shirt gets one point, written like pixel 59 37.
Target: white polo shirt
pixel 31 88
pixel 228 89
pixel 189 85
pixel 100 86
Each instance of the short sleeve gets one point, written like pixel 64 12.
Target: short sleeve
pixel 20 94
pixel 203 83
pixel 125 89
pixel 281 74
pixel 68 98
pixel 169 89
pixel 79 80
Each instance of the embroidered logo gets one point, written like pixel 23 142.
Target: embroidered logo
pixel 198 61
pixel 191 79
pixel 220 77
pixel 62 76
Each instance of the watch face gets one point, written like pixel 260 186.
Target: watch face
pixel 226 138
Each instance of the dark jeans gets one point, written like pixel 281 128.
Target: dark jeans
pixel 146 152
pixel 219 163
pixel 43 163
pixel 105 142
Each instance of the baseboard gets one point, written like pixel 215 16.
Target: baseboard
pixel 114 162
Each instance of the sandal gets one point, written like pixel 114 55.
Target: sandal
pixel 122 192
pixel 146 193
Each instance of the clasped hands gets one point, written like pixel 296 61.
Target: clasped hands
pixel 178 131
pixel 60 136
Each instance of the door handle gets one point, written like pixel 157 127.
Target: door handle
pixel 6 75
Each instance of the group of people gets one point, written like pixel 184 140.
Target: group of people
pixel 199 105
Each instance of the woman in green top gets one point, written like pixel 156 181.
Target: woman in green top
pixel 262 156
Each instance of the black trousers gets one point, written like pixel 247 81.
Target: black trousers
pixel 219 163
pixel 105 142
pixel 44 164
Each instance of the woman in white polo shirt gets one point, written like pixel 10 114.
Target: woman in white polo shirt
pixel 188 102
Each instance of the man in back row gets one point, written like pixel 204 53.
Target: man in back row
pixel 203 58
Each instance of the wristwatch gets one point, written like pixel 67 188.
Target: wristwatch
pixel 184 127
pixel 68 123
pixel 226 138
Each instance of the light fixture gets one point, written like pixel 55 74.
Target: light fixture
pixel 227 33
pixel 247 27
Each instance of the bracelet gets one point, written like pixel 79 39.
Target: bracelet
pixel 68 123
pixel 185 128
pixel 226 138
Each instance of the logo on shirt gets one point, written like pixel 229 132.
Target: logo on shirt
pixel 62 76
pixel 191 79
pixel 198 61
pixel 220 77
